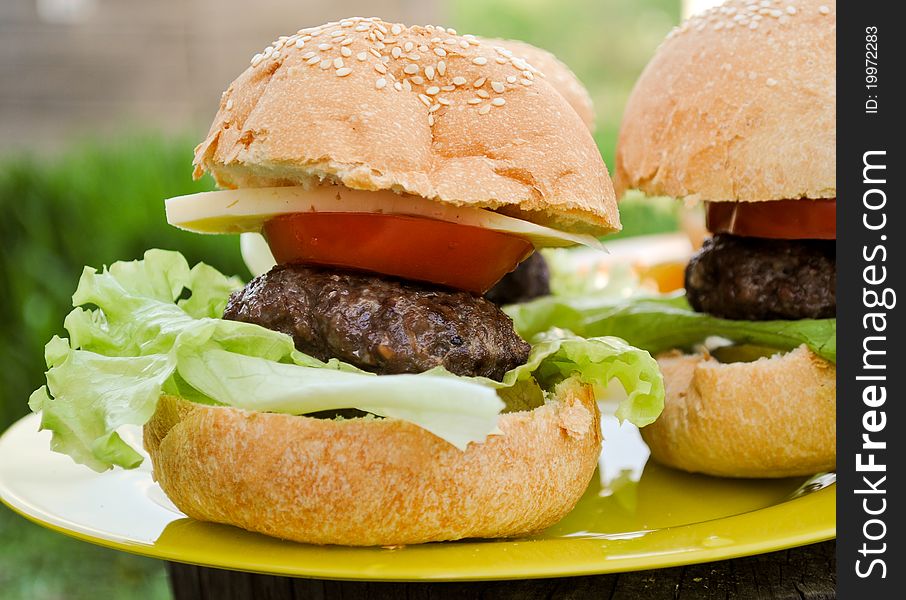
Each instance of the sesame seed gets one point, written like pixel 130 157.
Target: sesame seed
pixel 463 44
pixel 396 52
pixel 314 60
pixel 308 55
pixel 325 64
pixel 484 109
pixel 441 68
pixel 396 29
pixel 451 31
pixel 511 79
pixel 431 120
pixel 347 41
pixel 381 83
pixel 411 69
pixel 429 73
pixel 479 82
pixel 528 74
pixel 497 87
pixel 483 94
pixel 414 56
pixel 434 108
pixel 337 63
pixel 475 101
pixel 361 27
pixel 824 10
pixel 526 82
pixel 501 60
pixel 459 81
pixel 423 48
pixel 498 101
pixel 408 46
pixel 771 82
pixel 398 86
pixel 440 52
pixel 346 71
pixel 374 52
pixel 229 104
pixel 380 68
pixel 447 88
pixel 300 43
pixel 324 46
pixel 425 100
pixel 791 10
pixel 256 60
pixel 480 60
pixel 433 90
pixel 443 101
pixel 361 56
pixel 417 80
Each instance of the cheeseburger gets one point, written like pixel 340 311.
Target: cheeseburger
pixel 362 391
pixel 737 110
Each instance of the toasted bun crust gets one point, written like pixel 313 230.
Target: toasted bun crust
pixel 775 417
pixel 557 74
pixel 738 104
pixel 365 482
pixel 326 112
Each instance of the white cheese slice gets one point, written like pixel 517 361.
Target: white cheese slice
pixel 247 209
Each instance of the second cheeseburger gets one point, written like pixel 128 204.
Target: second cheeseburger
pixel 738 110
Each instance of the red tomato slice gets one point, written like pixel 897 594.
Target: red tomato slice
pixel 777 219
pixel 459 256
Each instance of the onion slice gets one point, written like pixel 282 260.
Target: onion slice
pixel 247 209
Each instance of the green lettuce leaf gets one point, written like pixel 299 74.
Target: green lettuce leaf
pixel 149 327
pixel 662 323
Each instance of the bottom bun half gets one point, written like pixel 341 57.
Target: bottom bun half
pixel 367 482
pixel 774 417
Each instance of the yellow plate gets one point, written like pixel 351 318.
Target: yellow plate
pixel 633 516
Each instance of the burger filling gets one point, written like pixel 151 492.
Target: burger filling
pixel 758 279
pixel 530 280
pixel 767 261
pixel 380 324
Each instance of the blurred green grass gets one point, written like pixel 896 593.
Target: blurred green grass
pixel 101 201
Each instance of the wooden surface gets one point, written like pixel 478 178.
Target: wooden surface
pixel 807 573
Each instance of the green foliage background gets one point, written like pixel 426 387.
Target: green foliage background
pixel 101 201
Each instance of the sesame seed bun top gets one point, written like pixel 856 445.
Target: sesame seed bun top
pixel 418 110
pixel 557 74
pixel 738 104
